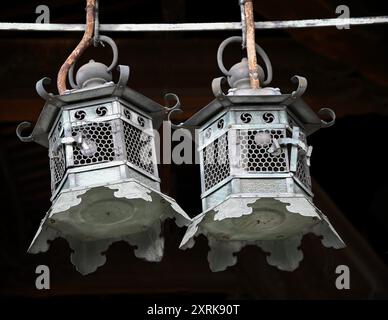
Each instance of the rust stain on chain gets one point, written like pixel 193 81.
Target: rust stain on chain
pixel 85 42
pixel 251 47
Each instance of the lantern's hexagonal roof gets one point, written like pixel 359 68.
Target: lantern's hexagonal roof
pixel 54 104
pixel 263 98
pixel 297 106
pixel 110 90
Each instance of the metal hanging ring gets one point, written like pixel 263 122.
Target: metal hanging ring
pixel 113 64
pixel 260 51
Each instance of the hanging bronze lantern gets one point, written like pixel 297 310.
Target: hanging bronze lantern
pixel 254 162
pixel 104 174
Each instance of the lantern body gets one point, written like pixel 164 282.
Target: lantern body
pixel 255 179
pixel 238 168
pixel 104 174
pixel 235 155
pixel 121 138
pixel 255 176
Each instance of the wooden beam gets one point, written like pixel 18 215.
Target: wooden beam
pixel 354 47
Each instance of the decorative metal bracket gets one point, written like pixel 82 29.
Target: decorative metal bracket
pixel 59 143
pixel 277 145
pixel 296 144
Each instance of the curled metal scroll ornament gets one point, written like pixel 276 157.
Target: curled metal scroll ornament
pixel 217 91
pixel 328 113
pixel 302 86
pixel 22 127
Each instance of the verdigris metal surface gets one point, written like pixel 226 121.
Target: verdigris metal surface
pixel 91 219
pixel 54 103
pixel 255 170
pixel 276 225
pixel 103 162
pixel 293 102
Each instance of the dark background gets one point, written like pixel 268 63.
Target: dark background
pixel 346 70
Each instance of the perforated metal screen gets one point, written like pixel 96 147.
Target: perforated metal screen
pixel 57 166
pixel 303 170
pixel 139 148
pixel 216 161
pixel 254 154
pixel 100 134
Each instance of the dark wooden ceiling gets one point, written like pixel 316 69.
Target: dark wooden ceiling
pixel 346 70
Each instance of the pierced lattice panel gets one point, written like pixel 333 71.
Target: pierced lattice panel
pixel 139 148
pixel 254 154
pixel 216 161
pixel 99 134
pixel 57 156
pixel 303 170
pixel 57 166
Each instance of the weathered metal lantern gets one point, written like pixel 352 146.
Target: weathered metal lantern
pixel 105 184
pixel 254 161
